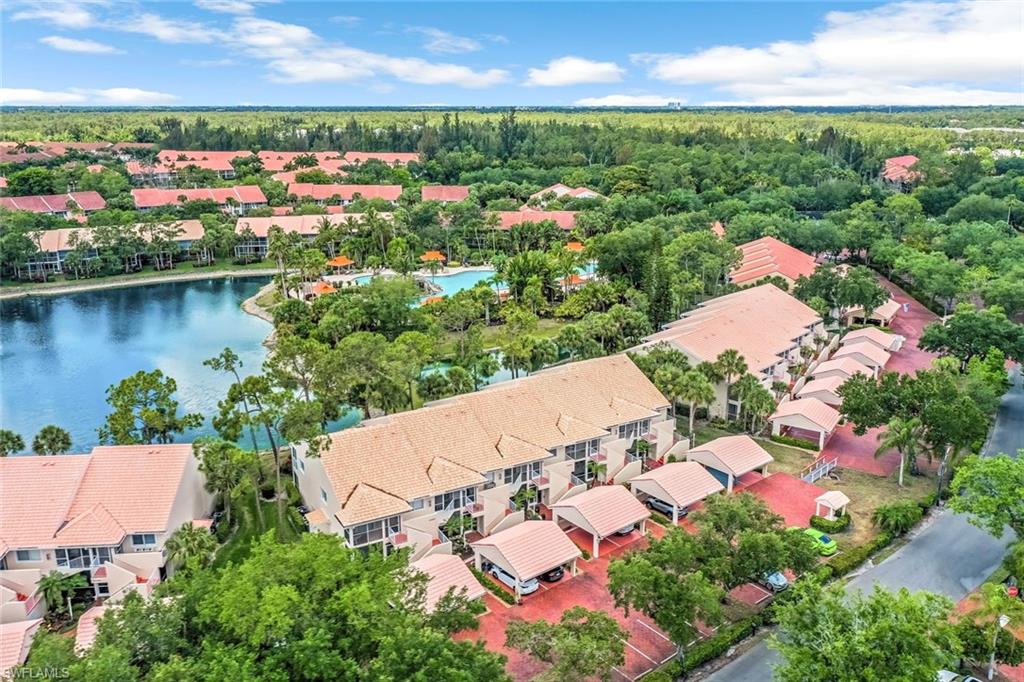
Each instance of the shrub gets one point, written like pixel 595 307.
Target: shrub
pixel 843 563
pixel 492 586
pixel 658 676
pixel 929 501
pixel 795 442
pixel 899 517
pixel 834 526
pixel 720 642
pixel 659 519
pixel 585 553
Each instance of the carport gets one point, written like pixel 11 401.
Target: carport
pixel 864 352
pixel 446 572
pixel 527 550
pixel 681 484
pixel 601 511
pixel 730 457
pixel 874 335
pixel 843 367
pixel 826 390
pixel 803 416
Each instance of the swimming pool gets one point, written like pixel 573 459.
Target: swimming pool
pixel 450 284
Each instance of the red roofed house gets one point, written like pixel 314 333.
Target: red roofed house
pixel 390 158
pixel 237 200
pixel 257 229
pixel 897 170
pixel 278 161
pixel 106 514
pixel 343 194
pixel 64 205
pixel 15 642
pixel 769 257
pixel 558 190
pixel 444 193
pixel 509 219
pixel 164 171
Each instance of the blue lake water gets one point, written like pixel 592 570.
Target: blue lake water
pixel 58 354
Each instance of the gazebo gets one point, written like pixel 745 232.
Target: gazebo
pixel 574 246
pixel 321 288
pixel 833 503
pixel 341 262
pixel 433 256
pixel 432 299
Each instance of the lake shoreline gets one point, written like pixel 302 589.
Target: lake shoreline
pixel 86 285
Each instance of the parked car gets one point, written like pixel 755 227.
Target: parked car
pixel 663 507
pixel 525 587
pixel 826 545
pixel 627 530
pixel 950 676
pixel 552 576
pixel 776 581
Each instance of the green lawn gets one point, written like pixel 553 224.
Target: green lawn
pixel 495 336
pixel 248 529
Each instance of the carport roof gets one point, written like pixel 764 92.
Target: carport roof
pixel 848 366
pixel 605 509
pixel 738 454
pixel 531 548
pixel 873 334
pixel 830 384
pixel 445 572
pixel 812 409
pixel 867 349
pixel 683 482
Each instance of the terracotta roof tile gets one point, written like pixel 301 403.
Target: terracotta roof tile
pixel 768 256
pixel 868 350
pixel 344 192
pixel 444 192
pixel 605 508
pixel 812 409
pixel 390 158
pixel 508 219
pixel 153 197
pixel 15 641
pixel 446 572
pixel 685 482
pixel 872 334
pixel 55 203
pixel 739 453
pixel 532 547
pixel 847 366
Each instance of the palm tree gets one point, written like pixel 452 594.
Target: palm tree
pixel 903 434
pixel 10 442
pixel 696 389
pixel 595 469
pixel 56 586
pixel 730 364
pixel 51 440
pixel 746 387
pixel 191 543
pixel 668 380
pixel 759 404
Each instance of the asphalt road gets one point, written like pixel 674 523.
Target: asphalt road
pixel 949 555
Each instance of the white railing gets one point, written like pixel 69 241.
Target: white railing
pixel 819 469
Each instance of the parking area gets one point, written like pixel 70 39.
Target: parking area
pixel 646 648
pixel 788 496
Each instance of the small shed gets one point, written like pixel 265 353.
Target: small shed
pixel 601 511
pixel 680 484
pixel 831 505
pixel 730 457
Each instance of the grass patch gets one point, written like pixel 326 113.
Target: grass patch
pixel 270 299
pixel 495 336
pixel 248 530
pixel 705 432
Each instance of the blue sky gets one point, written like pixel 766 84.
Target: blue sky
pixel 264 52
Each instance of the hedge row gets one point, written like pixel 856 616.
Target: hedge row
pixel 795 442
pixel 843 563
pixel 492 586
pixel 826 526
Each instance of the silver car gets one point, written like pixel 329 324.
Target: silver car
pixel 525 586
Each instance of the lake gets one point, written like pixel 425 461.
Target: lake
pixel 58 354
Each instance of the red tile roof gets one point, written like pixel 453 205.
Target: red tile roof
pixel 55 203
pixel 243 194
pixel 276 161
pixel 345 192
pixel 444 192
pixel 560 190
pixel 446 572
pixel 390 158
pixel 508 219
pixel 207 160
pixel 898 168
pixel 768 256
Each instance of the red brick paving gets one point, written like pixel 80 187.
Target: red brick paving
pixel 749 593
pixel 858 452
pixel 588 589
pixel 788 496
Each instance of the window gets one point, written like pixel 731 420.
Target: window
pixel 28 555
pixel 587 448
pixel 102 589
pixel 297 463
pixel 456 499
pixel 374 531
pixel 323 495
pixel 418 503
pixel 634 430
pixel 522 472
pixel 144 540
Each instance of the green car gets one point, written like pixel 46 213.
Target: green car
pixel 826 545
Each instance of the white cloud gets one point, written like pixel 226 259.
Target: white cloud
pixel 296 54
pixel 574 70
pixel 207 63
pixel 628 101
pixel 65 14
pixel 443 42
pixel 75 45
pixel 122 96
pixel 169 30
pixel 495 38
pixel 923 53
pixel 346 19
pixel 231 6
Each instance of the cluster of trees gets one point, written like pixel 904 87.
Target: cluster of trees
pixel 682 579
pixel 51 440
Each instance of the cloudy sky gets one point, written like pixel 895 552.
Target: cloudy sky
pixel 280 52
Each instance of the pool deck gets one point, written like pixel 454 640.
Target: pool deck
pixel 349 278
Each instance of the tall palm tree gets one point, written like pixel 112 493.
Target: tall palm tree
pixel 746 387
pixel 668 380
pixel 191 543
pixel 696 389
pixel 51 440
pixel 730 364
pixel 903 434
pixel 55 587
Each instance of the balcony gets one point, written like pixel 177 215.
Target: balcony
pixel 398 539
pixel 79 563
pixel 474 508
pixel 541 482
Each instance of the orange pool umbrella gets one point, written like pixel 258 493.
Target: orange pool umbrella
pixel 340 262
pixel 574 246
pixel 322 287
pixel 432 299
pixel 432 256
